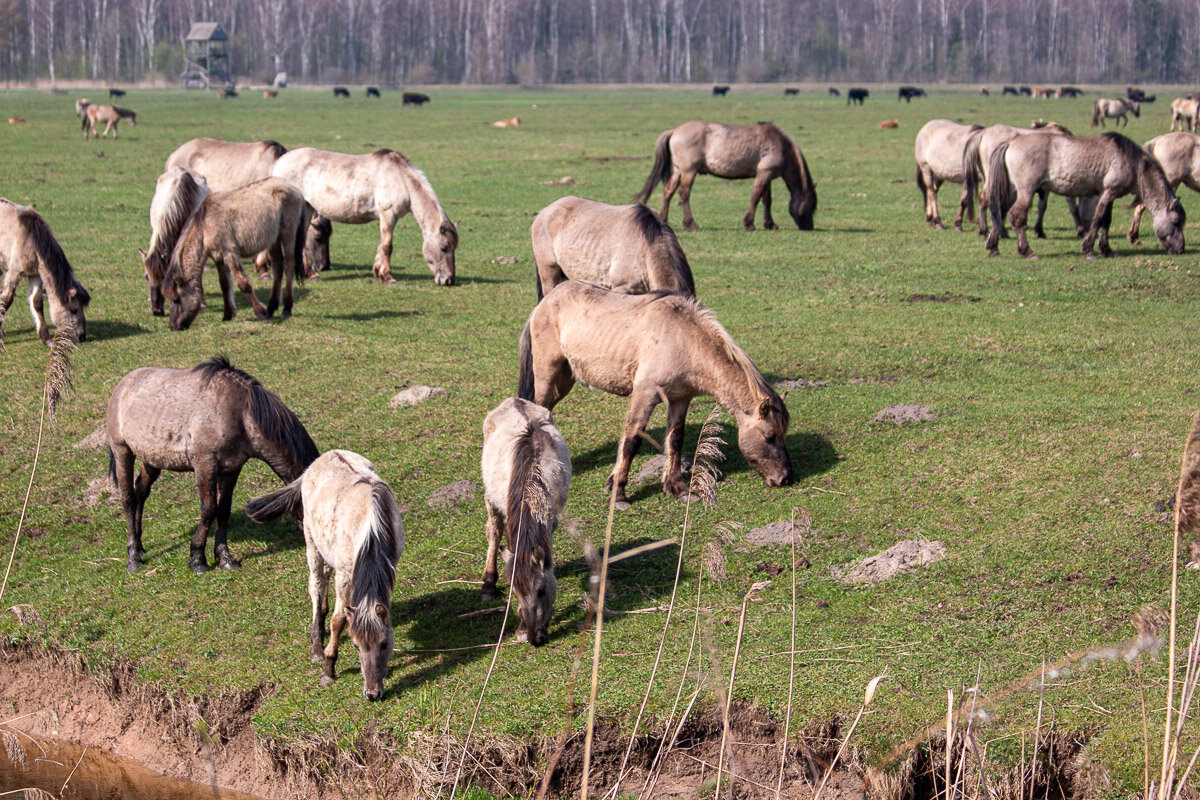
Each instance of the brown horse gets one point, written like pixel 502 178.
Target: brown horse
pixel 647 347
pixel 939 152
pixel 760 151
pixel 111 116
pixel 177 193
pixel 29 250
pixel 526 477
pixel 268 215
pixel 1108 165
pixel 209 420
pixel 1178 153
pixel 624 248
pixel 352 528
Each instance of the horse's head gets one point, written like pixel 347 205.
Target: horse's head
pixel 762 438
pixel 68 310
pixel 316 245
pixel 1168 226
pixel 186 300
pixel 371 632
pixel 536 591
pixel 155 263
pixel 439 253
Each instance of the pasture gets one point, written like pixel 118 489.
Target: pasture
pixel 1063 390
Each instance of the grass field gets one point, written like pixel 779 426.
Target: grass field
pixel 1063 389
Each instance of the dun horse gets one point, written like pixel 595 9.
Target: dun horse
pixel 382 186
pixel 624 248
pixel 1109 165
pixel 1118 109
pixel 177 194
pixel 1178 153
pixel 760 151
pixel 227 165
pixel 29 250
pixel 352 528
pixel 1184 111
pixel 647 347
pixel 939 151
pixel 526 476
pixel 209 420
pixel 268 215
pixel 111 116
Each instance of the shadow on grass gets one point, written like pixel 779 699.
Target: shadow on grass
pixel 381 314
pixel 103 329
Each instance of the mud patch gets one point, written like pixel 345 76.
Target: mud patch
pixel 97 488
pixel 415 395
pixel 797 384
pixel 948 297
pixel 901 557
pixel 902 414
pixel 453 495
pixel 96 440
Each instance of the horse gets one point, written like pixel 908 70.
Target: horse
pixel 177 193
pixel 117 93
pixel 649 347
pixel 383 186
pixel 1178 153
pixel 1108 165
pixel 1118 108
pixel 720 91
pixel 939 152
pixel 414 99
pixel 29 250
pixel 373 91
pixel 857 95
pixel 209 420
pixel 352 528
pixel 526 477
pixel 977 155
pixel 1183 109
pixel 624 248
pixel 1135 93
pixel 111 116
pixel 227 227
pixel 760 151
pixel 341 91
pixel 227 165
pixel 907 93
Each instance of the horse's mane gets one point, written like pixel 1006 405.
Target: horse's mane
pixel 182 201
pixel 374 567
pixel 529 517
pixel 194 226
pixel 121 111
pixel 653 229
pixel 447 227
pixel 275 420
pixel 273 147
pixel 52 258
pixel 1125 146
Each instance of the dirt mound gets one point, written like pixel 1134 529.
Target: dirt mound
pixel 96 440
pixel 901 557
pixel 96 489
pixel 415 395
pixel 453 494
pixel 901 414
pixel 781 532
pixel 799 383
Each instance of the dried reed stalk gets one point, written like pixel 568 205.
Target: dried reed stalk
pixel 869 696
pixel 787 720
pixel 737 651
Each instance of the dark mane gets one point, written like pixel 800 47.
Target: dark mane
pixel 653 228
pixel 393 155
pixel 528 515
pixel 194 222
pixel 374 569
pixel 186 193
pixel 273 147
pixel 52 258
pixel 124 112
pixel 1126 146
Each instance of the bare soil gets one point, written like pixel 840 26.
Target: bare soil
pixel 901 557
pixel 415 395
pixel 453 494
pixel 901 414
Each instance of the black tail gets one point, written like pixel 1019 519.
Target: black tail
pixel 525 375
pixel 661 169
pixel 271 507
pixel 112 466
pixel 84 126
pixel 1000 190
pixel 375 564
pixel 921 184
pixel 301 239
pixel 527 530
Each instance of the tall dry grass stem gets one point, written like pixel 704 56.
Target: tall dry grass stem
pixel 868 697
pixel 806 520
pixel 757 587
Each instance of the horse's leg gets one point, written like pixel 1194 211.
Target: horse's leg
pixel 1043 198
pixel 206 485
pixel 685 200
pixel 641 406
pixel 762 183
pixel 552 382
pixel 383 256
pixel 1102 238
pixel 1103 216
pixel 669 189
pixel 336 626
pixel 123 459
pixel 932 184
pixel 234 264
pixel 1020 218
pixel 964 208
pixel 9 291
pixel 318 593
pixel 225 483
pixel 277 258
pixel 768 220
pixel 673 484
pixel 226 288
pixel 37 309
pixel 983 208
pixel 1134 234
pixel 494 530
pixel 141 490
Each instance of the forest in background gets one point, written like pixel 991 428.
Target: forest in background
pixel 585 41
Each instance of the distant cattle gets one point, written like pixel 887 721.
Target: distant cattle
pixel 15 120
pixel 270 94
pixel 1007 90
pixel 506 123
pixel 415 99
pixel 983 90
pixel 907 93
pixel 833 92
pixel 227 94
pixel 373 91
pixel 720 91
pixel 1042 91
pixel 341 91
pixel 790 92
pixel 118 93
pixel 890 123
pixel 1026 91
pixel 856 95
pixel 1070 91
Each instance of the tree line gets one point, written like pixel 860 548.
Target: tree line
pixel 566 41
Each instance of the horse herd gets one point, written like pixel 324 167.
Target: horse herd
pixel 616 310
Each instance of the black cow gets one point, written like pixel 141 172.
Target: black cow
pixel 341 91
pixel 720 91
pixel 907 93
pixel 415 99
pixel 833 92
pixel 118 93
pixel 790 92
pixel 857 95
pixel 1010 90
pixel 372 91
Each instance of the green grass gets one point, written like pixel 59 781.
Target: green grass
pixel 1064 395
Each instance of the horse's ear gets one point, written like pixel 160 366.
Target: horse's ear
pixel 784 395
pixel 764 408
pixel 143 253
pixel 381 611
pixel 539 555
pixel 72 292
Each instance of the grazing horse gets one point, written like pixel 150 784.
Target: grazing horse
pixel 526 476
pixel 111 116
pixel 720 91
pixel 1178 153
pixel 939 151
pixel 373 91
pixel 976 158
pixel 649 347
pixel 268 215
pixel 352 528
pixel 760 151
pixel 1183 109
pixel 29 250
pixel 624 248
pixel 907 93
pixel 857 95
pixel 414 99
pixel 209 420
pixel 1109 165
pixel 1118 109
pixel 227 165
pixel 382 186
pixel 341 91
pixel 177 193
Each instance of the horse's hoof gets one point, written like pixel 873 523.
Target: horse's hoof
pixel 937 226
pixel 317 657
pixel 770 227
pixel 621 505
pixel 387 280
pixel 993 253
pixel 959 229
pixel 1031 256
pixel 688 498
pixel 199 567
pixel 326 680
pixel 230 563
pixel 131 567
pixel 691 226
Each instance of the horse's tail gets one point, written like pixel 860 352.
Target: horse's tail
pixel 375 565
pixel 1000 194
pixel 1095 113
pixel 527 520
pixel 661 169
pixel 972 167
pixel 85 121
pixel 112 466
pixel 52 260
pixel 272 506
pixel 525 374
pixel 300 240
